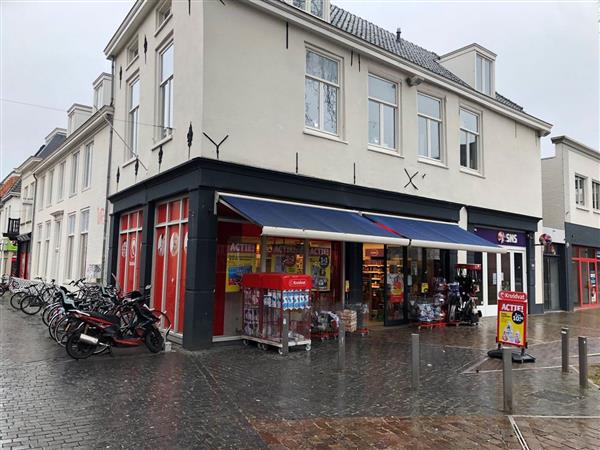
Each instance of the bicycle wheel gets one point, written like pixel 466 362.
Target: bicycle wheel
pixel 31 304
pixel 52 325
pixel 15 300
pixel 48 312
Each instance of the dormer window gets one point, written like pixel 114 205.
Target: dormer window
pixel 314 7
pixel 163 13
pixel 483 82
pixel 98 99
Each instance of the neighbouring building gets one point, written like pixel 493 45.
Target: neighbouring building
pixel 571 206
pixel 267 135
pixel 70 194
pixel 28 187
pixel 10 213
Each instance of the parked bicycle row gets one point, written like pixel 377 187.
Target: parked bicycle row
pixel 90 319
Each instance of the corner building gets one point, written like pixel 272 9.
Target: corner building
pixel 298 137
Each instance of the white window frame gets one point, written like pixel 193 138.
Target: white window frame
pixel 596 195
pixel 322 84
pixel 57 242
pixel 40 229
pixel 98 96
pixel 41 188
pixel 133 117
pixel 70 245
pixel 580 191
pixel 84 226
pixel 480 75
pixel 477 135
pixel 168 83
pixel 86 174
pixel 133 51
pixel 381 104
pixel 61 181
pixel 161 17
pixel 48 231
pixel 74 173
pixel 49 187
pixel 439 120
pixel 308 8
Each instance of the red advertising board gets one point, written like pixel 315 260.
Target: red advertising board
pixel 511 324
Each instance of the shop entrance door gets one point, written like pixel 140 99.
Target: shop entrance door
pixel 501 272
pixel 551 284
pixel 588 284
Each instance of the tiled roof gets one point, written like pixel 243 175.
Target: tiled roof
pixel 51 146
pixel 386 40
pixel 8 185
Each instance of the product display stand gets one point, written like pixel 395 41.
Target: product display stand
pixel 268 298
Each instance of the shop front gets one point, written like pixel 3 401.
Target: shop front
pixel 582 261
pixel 23 255
pixel 584 267
pixel 194 232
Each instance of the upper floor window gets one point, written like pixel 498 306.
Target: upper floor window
pixel 98 97
pixel 74 171
pixel 163 13
pixel 469 140
pixel 50 185
pixel 314 7
pixel 383 108
pixel 61 181
pixel 134 107
pixel 430 126
pixel 26 193
pixel 166 90
pixel 580 190
pixel 596 195
pixel 133 50
pixel 41 188
pixel 483 82
pixel 321 88
pixel 86 178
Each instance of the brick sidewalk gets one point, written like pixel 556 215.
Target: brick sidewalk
pixel 240 397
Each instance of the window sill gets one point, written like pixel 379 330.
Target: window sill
pixel 163 25
pixel 582 208
pixel 163 141
pixel 596 211
pixel 432 162
pixel 86 189
pixel 471 172
pixel 132 62
pixel 384 151
pixel 323 135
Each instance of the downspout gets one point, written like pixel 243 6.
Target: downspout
pixel 32 225
pixel 110 143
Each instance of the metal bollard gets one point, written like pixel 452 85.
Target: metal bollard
pixel 564 336
pixel 284 337
pixel 341 345
pixel 507 380
pixel 416 359
pixel 583 362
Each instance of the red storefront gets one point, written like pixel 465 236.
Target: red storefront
pixel 585 263
pixel 130 244
pixel 169 259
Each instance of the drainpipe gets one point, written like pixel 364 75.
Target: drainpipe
pixel 32 224
pixel 110 143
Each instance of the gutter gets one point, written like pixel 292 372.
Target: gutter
pixel 106 203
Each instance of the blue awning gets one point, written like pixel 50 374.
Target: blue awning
pixel 295 220
pixel 424 233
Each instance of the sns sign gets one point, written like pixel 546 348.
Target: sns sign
pixel 512 319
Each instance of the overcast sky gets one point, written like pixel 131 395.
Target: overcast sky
pixel 548 59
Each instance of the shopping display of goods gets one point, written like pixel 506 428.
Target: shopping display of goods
pixel 271 298
pixel 350 320
pixel 325 325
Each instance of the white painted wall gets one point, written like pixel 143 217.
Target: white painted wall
pixel 234 76
pixel 92 198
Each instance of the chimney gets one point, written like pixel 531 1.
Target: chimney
pixel 398 34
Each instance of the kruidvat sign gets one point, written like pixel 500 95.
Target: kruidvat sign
pixel 502 237
pixel 511 325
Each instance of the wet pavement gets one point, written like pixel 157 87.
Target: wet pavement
pixel 241 397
